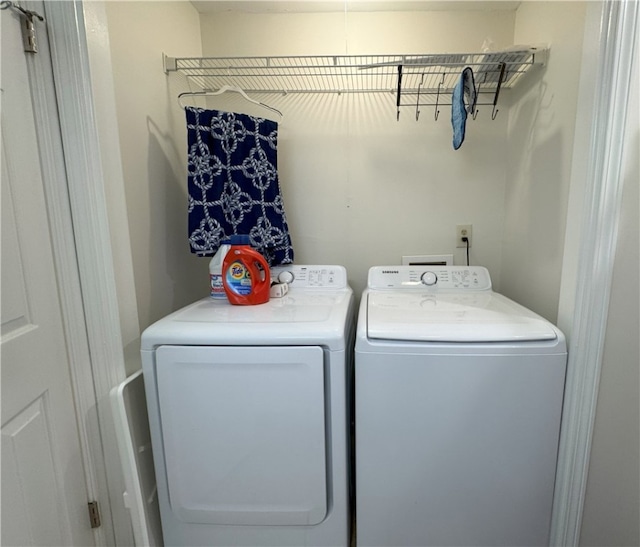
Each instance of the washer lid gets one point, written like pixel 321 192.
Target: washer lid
pixel 452 317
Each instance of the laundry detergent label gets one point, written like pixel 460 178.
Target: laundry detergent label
pixel 238 278
pixel 217 288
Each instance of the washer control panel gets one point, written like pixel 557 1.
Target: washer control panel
pixel 434 277
pixel 312 276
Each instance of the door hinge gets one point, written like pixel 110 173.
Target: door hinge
pixel 94 514
pixel 26 24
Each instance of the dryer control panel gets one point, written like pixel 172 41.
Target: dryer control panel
pixel 310 276
pixel 425 277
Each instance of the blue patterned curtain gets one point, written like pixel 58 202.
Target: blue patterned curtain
pixel 233 184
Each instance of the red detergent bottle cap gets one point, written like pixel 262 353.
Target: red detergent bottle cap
pixel 244 282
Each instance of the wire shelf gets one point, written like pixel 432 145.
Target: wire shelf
pixel 426 79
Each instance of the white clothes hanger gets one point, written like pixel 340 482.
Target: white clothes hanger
pixel 222 90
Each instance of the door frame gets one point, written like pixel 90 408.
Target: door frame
pixel 590 245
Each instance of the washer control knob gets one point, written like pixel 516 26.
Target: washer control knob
pixel 429 278
pixel 285 277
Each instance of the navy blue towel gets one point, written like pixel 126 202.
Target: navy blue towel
pixel 465 89
pixel 233 184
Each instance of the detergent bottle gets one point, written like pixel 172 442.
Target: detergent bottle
pixel 215 272
pixel 244 282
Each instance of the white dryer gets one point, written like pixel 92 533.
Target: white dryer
pixel 248 413
pixel 458 402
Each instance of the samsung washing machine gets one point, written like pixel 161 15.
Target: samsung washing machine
pixel 459 393
pixel 248 413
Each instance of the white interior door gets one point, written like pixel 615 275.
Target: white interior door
pixel 44 494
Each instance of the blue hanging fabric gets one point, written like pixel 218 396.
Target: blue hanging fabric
pixel 465 90
pixel 233 184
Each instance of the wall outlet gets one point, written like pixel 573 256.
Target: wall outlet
pixel 463 230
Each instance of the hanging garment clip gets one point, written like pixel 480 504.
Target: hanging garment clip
pixel 26 24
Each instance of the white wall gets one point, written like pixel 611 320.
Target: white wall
pixel 153 148
pixel 612 506
pixel 359 187
pixel 540 148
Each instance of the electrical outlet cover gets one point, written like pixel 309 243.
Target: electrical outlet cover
pixel 463 230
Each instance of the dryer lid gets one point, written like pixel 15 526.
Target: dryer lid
pixel 452 317
pixel 316 311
